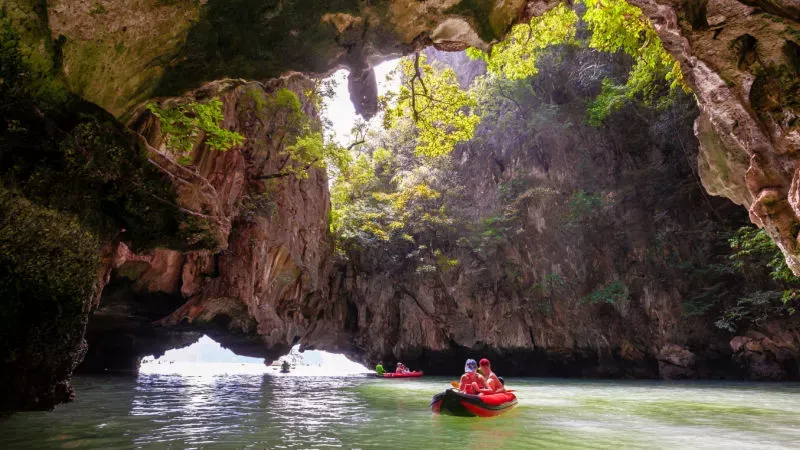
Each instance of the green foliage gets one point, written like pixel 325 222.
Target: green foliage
pixel 287 100
pixel 306 153
pixel 48 271
pixel 582 206
pixel 755 309
pixel 611 293
pixel 765 288
pixel 441 110
pixel 391 199
pixel 443 262
pixel 750 243
pixel 515 56
pixel 182 126
pixel 312 150
pixel 258 205
pixel 550 282
pixel 752 253
pixel 617 25
pixel 612 97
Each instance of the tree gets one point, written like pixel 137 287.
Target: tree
pixel 441 110
pixel 515 56
pixel 617 25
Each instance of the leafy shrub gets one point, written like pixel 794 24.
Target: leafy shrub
pixel 612 293
pixel 752 245
pixel 257 205
pixel 755 309
pixel 581 206
pixel 183 125
pixel 752 253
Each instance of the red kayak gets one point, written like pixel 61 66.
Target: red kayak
pixel 401 375
pixel 457 403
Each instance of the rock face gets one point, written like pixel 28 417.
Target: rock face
pixel 263 288
pixel 118 53
pixel 582 257
pixel 582 251
pixel 741 59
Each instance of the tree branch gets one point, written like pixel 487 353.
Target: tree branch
pixel 417 76
pixel 285 174
pixel 350 147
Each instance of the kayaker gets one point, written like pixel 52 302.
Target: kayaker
pixel 379 369
pixel 471 382
pixel 493 384
pixel 401 368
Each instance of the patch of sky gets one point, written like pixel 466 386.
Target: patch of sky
pixel 339 108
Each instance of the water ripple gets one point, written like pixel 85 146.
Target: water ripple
pixel 291 412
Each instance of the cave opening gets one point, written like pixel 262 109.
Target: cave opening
pixel 206 357
pixel 339 112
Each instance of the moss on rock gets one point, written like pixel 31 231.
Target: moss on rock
pixel 48 270
pixel 72 178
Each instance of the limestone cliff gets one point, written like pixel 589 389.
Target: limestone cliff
pixel 741 59
pixel 265 286
pixel 739 56
pixel 118 53
pixel 581 251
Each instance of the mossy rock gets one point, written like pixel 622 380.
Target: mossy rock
pixel 48 275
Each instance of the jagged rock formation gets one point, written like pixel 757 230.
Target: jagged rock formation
pixel 265 285
pixel 119 53
pixel 740 57
pixel 574 259
pixel 582 252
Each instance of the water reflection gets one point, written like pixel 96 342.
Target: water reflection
pixel 312 409
pixel 240 409
pixel 288 412
pixel 197 410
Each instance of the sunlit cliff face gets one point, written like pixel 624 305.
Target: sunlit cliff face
pixel 731 52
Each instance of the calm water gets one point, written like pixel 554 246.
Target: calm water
pixel 277 412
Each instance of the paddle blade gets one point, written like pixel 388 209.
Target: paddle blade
pixel 454 384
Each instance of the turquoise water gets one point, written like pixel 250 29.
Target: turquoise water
pixel 281 412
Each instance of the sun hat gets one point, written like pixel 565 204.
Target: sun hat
pixel 470 366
